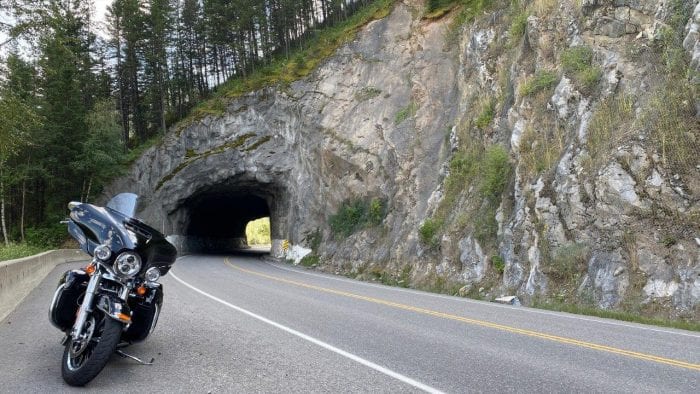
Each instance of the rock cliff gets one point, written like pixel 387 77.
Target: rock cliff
pixel 545 149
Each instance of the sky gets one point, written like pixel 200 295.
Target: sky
pixel 100 8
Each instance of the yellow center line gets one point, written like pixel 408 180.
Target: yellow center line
pixel 481 323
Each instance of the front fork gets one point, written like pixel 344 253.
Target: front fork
pixel 86 307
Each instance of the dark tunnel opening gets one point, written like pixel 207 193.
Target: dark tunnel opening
pixel 215 219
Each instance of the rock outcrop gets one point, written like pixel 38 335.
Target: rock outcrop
pixel 596 198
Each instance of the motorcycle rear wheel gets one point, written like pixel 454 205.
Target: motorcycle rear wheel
pixel 79 369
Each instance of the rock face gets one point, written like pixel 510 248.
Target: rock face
pixel 591 207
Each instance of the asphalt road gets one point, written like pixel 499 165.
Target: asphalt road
pixel 241 324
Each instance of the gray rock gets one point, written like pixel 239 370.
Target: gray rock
pixel 610 27
pixel 474 261
pixel 615 190
pixel 308 147
pixel 691 43
pixel 564 93
pixel 609 288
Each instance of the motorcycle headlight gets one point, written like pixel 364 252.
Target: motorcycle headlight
pixel 127 264
pixel 153 274
pixel 102 252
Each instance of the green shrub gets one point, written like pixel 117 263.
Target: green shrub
pixel 578 62
pixel 488 112
pixel 376 211
pixel 567 261
pixel 485 225
pixel 349 218
pixel 309 260
pixel 518 26
pixel 356 214
pixel 408 112
pixel 434 5
pixel 16 251
pixel 543 80
pixel 428 232
pixel 498 263
pixel 366 93
pixel 496 172
pixel 405 276
pixel 669 241
pixel 50 236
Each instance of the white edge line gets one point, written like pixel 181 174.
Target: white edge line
pixel 483 303
pixel 358 359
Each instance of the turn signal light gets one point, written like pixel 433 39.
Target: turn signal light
pixel 90 269
pixel 124 317
pixel 141 290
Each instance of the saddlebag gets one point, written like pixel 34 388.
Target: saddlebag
pixel 65 302
pixel 145 313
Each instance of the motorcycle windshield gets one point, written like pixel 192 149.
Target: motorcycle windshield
pixel 124 203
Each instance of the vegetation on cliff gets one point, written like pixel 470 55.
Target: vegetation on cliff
pixel 88 104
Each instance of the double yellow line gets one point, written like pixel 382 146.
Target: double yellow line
pixel 481 323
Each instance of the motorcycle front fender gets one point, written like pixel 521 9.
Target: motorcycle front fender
pixel 114 308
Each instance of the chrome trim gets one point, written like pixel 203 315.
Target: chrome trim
pixel 113 308
pixel 102 248
pixel 155 318
pixel 138 360
pixel 155 270
pixel 138 263
pixel 124 293
pixel 54 302
pixel 86 307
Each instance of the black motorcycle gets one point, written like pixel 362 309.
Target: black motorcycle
pixel 116 300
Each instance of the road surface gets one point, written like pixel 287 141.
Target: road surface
pixel 244 324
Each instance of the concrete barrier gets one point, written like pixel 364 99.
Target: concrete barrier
pixel 19 277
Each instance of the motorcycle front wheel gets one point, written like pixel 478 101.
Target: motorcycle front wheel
pixel 83 360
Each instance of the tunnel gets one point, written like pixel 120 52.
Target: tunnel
pixel 213 219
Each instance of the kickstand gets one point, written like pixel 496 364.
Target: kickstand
pixel 138 360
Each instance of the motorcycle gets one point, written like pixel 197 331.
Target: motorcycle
pixel 116 299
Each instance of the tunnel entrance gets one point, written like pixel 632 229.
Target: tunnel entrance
pixel 214 219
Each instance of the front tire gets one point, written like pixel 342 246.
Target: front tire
pixel 80 366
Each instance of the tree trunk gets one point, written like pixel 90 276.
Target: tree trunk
pixel 89 186
pixel 2 209
pixel 24 202
pixel 82 192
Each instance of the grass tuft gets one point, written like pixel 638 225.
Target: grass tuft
pixel 617 315
pixel 567 261
pixel 498 263
pixel 518 27
pixel 606 128
pixel 543 80
pixel 488 112
pixel 578 62
pixel 407 112
pixel 675 129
